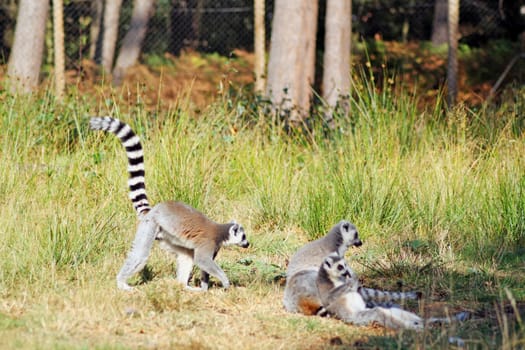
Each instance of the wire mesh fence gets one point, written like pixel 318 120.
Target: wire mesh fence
pixel 224 25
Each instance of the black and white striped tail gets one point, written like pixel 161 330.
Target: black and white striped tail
pixel 376 295
pixel 322 312
pixel 131 142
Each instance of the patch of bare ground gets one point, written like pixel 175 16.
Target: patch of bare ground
pixel 162 315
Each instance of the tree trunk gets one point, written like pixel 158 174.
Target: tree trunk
pixel 26 55
pixel 196 19
pixel 58 48
pixel 132 42
pixel 440 23
pixel 110 35
pixel 97 8
pixel 259 41
pixel 291 64
pixel 307 51
pixel 181 26
pixel 336 58
pixel 405 28
pixel 452 69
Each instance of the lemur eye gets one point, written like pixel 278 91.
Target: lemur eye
pixel 340 267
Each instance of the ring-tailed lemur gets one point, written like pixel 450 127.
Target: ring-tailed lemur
pixel 179 228
pixel 301 294
pixel 339 291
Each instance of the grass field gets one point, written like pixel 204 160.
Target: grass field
pixel 438 198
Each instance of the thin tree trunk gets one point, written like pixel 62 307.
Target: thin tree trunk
pixel 405 28
pixel 97 8
pixel 196 20
pixel 292 58
pixel 110 35
pixel 306 58
pixel 259 43
pixel 336 58
pixel 285 40
pixel 132 42
pixel 452 69
pixel 439 23
pixel 28 46
pixel 58 46
pixel 181 26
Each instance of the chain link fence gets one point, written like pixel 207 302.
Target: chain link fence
pixel 401 20
pixel 224 25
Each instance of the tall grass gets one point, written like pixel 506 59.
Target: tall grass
pixel 392 169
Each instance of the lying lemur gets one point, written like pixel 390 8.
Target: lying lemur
pixel 342 298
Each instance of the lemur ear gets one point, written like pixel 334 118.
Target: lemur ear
pixel 235 227
pixel 233 221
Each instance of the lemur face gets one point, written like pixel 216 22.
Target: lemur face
pixel 237 236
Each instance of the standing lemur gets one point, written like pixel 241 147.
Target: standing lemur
pixel 179 228
pixel 301 294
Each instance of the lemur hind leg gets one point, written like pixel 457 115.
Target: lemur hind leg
pixel 184 263
pixel 301 293
pixel 138 255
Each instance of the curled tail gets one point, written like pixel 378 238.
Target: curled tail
pixel 376 295
pixel 131 142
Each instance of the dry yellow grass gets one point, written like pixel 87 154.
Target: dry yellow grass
pixel 88 311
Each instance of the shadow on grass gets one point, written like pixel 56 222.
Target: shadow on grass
pixel 493 298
